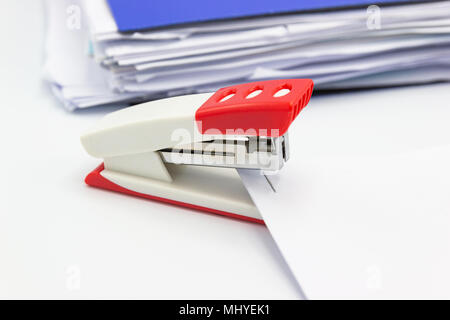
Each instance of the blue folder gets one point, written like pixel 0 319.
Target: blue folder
pixel 133 15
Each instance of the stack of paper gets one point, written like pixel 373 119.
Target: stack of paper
pixel 109 51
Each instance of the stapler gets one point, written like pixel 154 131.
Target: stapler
pixel 185 150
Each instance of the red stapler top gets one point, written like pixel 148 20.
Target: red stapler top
pixel 269 106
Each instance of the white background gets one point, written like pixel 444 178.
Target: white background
pixel 62 239
pixel 55 230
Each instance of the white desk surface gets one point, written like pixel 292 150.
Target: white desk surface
pixel 62 239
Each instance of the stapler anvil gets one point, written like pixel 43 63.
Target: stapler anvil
pixel 185 150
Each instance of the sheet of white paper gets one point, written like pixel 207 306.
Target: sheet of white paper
pixel 252 73
pixel 263 40
pixel 417 75
pixel 354 24
pixel 362 208
pixel 307 64
pixel 144 61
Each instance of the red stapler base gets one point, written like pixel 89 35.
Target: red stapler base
pixel 95 179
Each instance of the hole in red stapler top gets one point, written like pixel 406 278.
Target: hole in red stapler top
pixel 269 113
